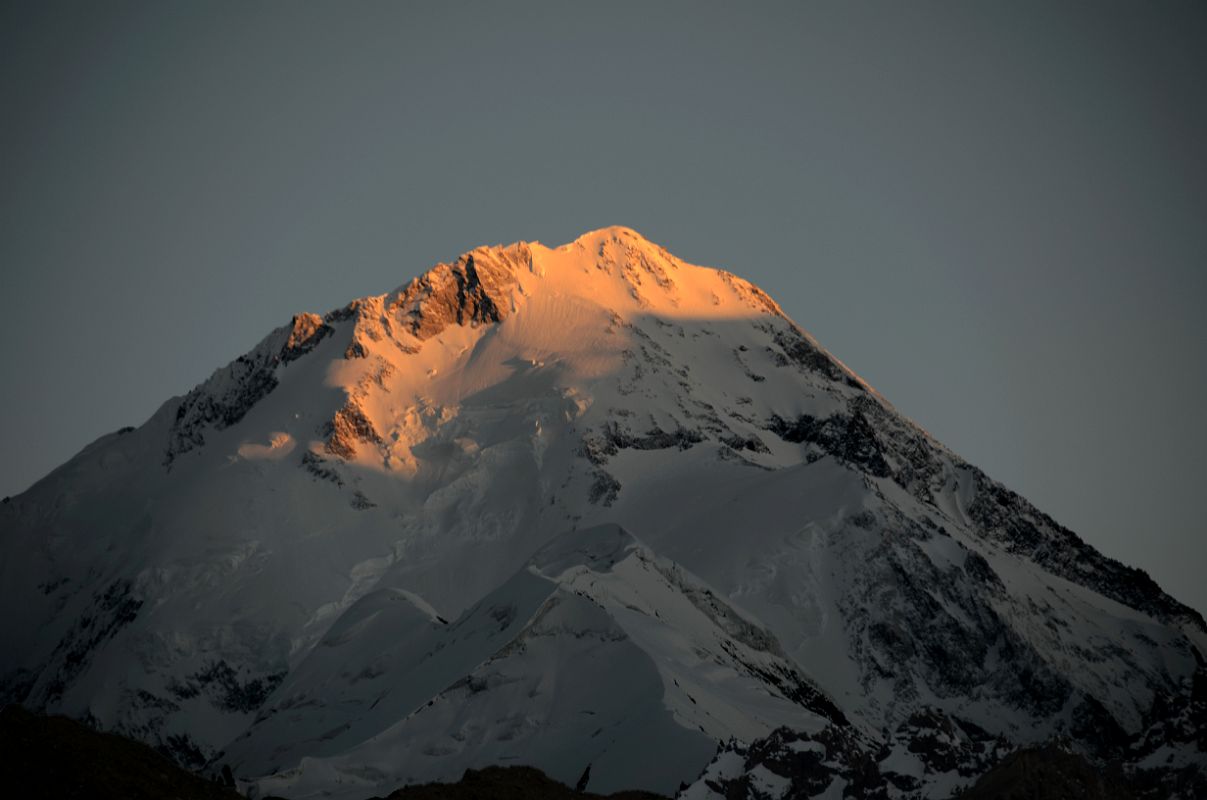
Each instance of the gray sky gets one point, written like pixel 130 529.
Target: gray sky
pixel 996 213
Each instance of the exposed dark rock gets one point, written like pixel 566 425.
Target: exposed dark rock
pixel 1017 526
pixel 798 349
pixel 317 466
pixel 183 750
pixel 468 292
pixel 597 447
pixel 849 438
pixel 874 440
pixel 583 780
pixel 110 611
pixel 753 295
pixel 222 684
pixel 604 488
pixel 349 426
pixel 941 745
pixel 752 443
pixel 782 676
pixel 810 764
pixel 979 570
pixel 791 685
pixel 200 409
pixel 1094 726
pixel 917 623
pixel 945 744
pixel 235 389
pixel 305 333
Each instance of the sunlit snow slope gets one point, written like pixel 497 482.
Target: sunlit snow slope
pixel 576 506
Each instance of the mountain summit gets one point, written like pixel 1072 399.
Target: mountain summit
pixel 568 507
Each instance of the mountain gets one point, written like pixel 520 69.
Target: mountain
pixel 571 507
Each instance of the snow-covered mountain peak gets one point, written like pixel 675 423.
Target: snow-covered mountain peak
pixel 615 268
pixel 523 315
pixel 592 240
pixel 584 462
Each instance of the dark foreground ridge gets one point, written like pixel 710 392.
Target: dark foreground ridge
pixel 60 758
pixel 55 757
pixel 1047 773
pixel 505 783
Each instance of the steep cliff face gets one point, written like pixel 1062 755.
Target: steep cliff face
pixel 565 505
pixel 473 291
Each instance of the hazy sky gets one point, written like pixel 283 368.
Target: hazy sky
pixel 995 213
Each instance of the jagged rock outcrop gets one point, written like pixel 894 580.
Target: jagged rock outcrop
pixel 929 755
pixel 232 391
pixel 471 291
